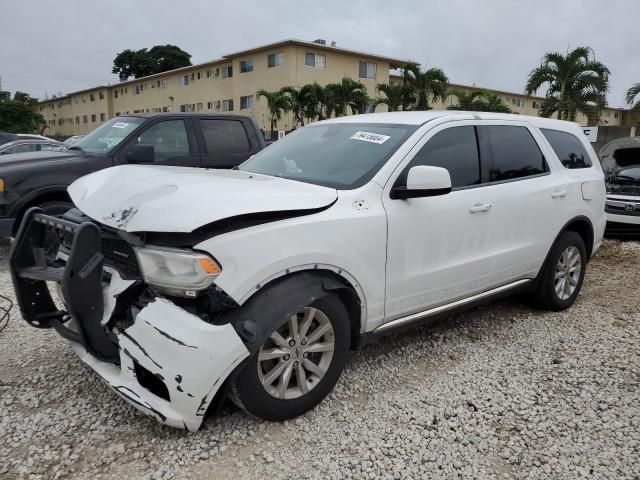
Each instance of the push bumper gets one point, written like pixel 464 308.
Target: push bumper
pixel 187 357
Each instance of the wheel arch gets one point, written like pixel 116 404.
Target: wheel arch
pixel 583 227
pixel 37 197
pixel 283 295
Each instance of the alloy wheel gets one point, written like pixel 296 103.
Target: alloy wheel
pixel 567 273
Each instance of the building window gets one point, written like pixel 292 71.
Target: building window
pixel 209 105
pixel 137 89
pixel 316 60
pixel 275 60
pixel 84 119
pixel 115 93
pixel 246 66
pixel 92 97
pixel 101 95
pixel 199 75
pixel 185 108
pixel 535 104
pixel 227 71
pixel 84 99
pixel 246 102
pixel 199 107
pixel 164 83
pixel 368 70
pixel 184 80
pixel 93 117
pixel 227 105
pixel 615 114
pixel 518 102
pixel 103 117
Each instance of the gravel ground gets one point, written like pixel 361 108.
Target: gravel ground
pixel 502 391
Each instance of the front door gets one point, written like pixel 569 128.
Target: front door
pixel 439 247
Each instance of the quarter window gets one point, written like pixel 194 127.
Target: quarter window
pixel 455 149
pixel 168 138
pixel 515 153
pixel 568 149
pixel 224 136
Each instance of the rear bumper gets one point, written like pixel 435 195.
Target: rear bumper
pixel 186 358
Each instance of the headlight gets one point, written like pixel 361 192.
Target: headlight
pixel 176 271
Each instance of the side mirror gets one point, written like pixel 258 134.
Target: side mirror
pixel 141 154
pixel 424 181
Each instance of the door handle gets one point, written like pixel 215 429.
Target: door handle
pixel 480 207
pixel 559 194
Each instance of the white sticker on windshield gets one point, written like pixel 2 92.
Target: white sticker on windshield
pixel 370 137
pixel 120 125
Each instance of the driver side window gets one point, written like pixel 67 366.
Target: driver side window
pixel 455 149
pixel 168 138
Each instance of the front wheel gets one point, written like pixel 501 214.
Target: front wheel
pixel 562 276
pixel 298 365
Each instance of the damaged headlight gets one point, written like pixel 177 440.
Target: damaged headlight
pixel 176 271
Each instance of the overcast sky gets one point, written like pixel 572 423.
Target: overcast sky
pixel 69 45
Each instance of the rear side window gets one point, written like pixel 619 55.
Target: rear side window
pixel 568 149
pixel 456 150
pixel 515 153
pixel 224 136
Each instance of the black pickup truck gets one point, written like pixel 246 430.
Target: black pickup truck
pixel 182 139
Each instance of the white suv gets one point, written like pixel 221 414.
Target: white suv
pixel 180 284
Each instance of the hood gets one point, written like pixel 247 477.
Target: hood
pixel 138 198
pixel 34 157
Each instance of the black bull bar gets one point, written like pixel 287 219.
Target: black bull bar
pixel 80 278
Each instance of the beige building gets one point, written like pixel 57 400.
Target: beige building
pixel 229 84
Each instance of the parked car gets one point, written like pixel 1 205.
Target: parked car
pixel 7 137
pixel 620 161
pixel 31 136
pixel 178 281
pixel 72 139
pixel 27 145
pixel 197 140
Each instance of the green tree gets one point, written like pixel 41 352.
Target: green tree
pixel 396 96
pixel 347 93
pixel 429 85
pixel 277 104
pixel 478 101
pixel 576 82
pixel 313 97
pixel 296 102
pixel 632 94
pixel 143 62
pixel 19 115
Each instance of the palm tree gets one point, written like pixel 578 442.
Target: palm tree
pixel 478 101
pixel 313 101
pixel 347 93
pixel 397 96
pixel 277 103
pixel 632 93
pixel 428 84
pixel 296 102
pixel 576 82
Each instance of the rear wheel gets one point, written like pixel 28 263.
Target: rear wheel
pixel 298 365
pixel 562 276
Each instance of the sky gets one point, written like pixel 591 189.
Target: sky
pixel 49 47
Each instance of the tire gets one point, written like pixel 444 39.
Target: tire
pixel 551 293
pixel 276 403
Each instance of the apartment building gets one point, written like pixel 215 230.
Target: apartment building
pixel 230 83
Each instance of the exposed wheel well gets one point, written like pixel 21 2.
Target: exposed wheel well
pixel 582 226
pixel 55 196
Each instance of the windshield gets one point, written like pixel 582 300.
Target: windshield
pixel 107 135
pixel 337 155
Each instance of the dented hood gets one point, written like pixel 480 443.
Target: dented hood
pixel 151 198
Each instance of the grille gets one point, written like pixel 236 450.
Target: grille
pixel 118 253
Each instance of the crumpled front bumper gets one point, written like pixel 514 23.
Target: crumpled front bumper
pixel 190 357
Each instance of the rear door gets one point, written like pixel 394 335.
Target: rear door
pixel 224 142
pixel 529 199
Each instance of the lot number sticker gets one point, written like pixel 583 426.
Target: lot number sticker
pixel 370 137
pixel 120 125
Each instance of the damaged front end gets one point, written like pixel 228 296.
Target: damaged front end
pixel 158 346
